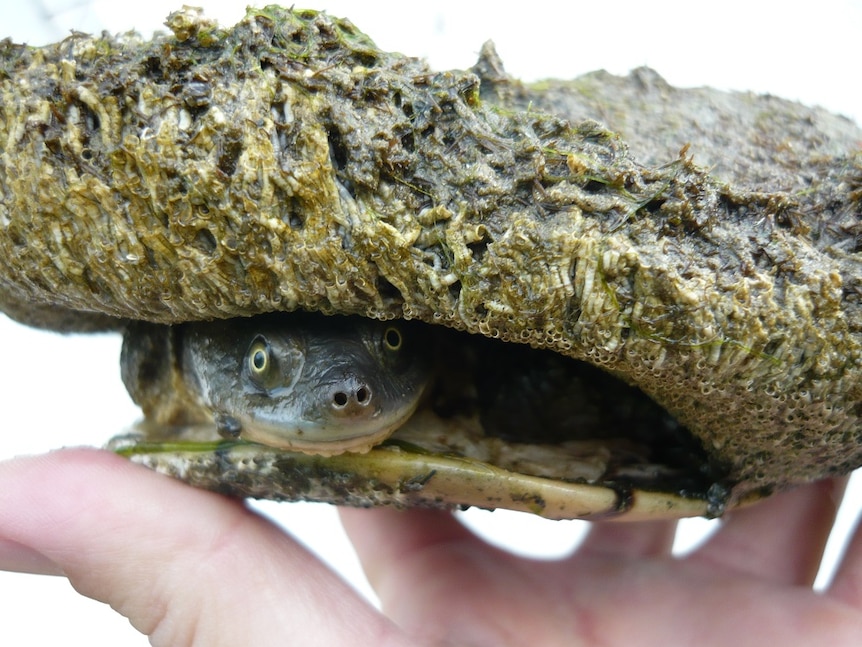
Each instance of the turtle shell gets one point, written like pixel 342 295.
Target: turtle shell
pixel 289 163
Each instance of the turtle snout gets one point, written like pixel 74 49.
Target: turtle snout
pixel 352 398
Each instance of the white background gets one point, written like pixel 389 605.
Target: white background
pixel 59 391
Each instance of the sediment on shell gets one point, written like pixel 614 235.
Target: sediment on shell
pixel 289 163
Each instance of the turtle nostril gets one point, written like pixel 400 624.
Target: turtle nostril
pixel 352 398
pixel 363 395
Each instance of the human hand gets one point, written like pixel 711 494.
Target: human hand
pixel 750 584
pixel 190 567
pixel 185 566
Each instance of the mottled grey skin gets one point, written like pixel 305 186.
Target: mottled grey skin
pixel 321 385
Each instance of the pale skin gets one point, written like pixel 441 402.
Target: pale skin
pixel 213 573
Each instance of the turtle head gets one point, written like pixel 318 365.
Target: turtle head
pixel 317 384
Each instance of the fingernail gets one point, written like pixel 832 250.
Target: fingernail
pixel 19 558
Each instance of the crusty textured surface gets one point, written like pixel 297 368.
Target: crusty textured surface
pixel 288 163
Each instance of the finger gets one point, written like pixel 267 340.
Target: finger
pixel 185 566
pixel 629 539
pixel 438 580
pixel 781 539
pixel 847 583
pixel 383 537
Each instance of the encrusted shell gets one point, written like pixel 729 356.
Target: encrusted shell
pixel 288 163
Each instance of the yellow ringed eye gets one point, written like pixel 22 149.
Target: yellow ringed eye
pixel 258 358
pixel 392 338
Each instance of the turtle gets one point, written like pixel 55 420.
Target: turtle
pixel 321 387
pixel 288 164
pixel 317 385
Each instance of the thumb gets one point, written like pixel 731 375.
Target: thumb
pixel 185 566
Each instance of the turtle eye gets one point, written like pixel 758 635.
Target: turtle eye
pixel 259 360
pixel 392 339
